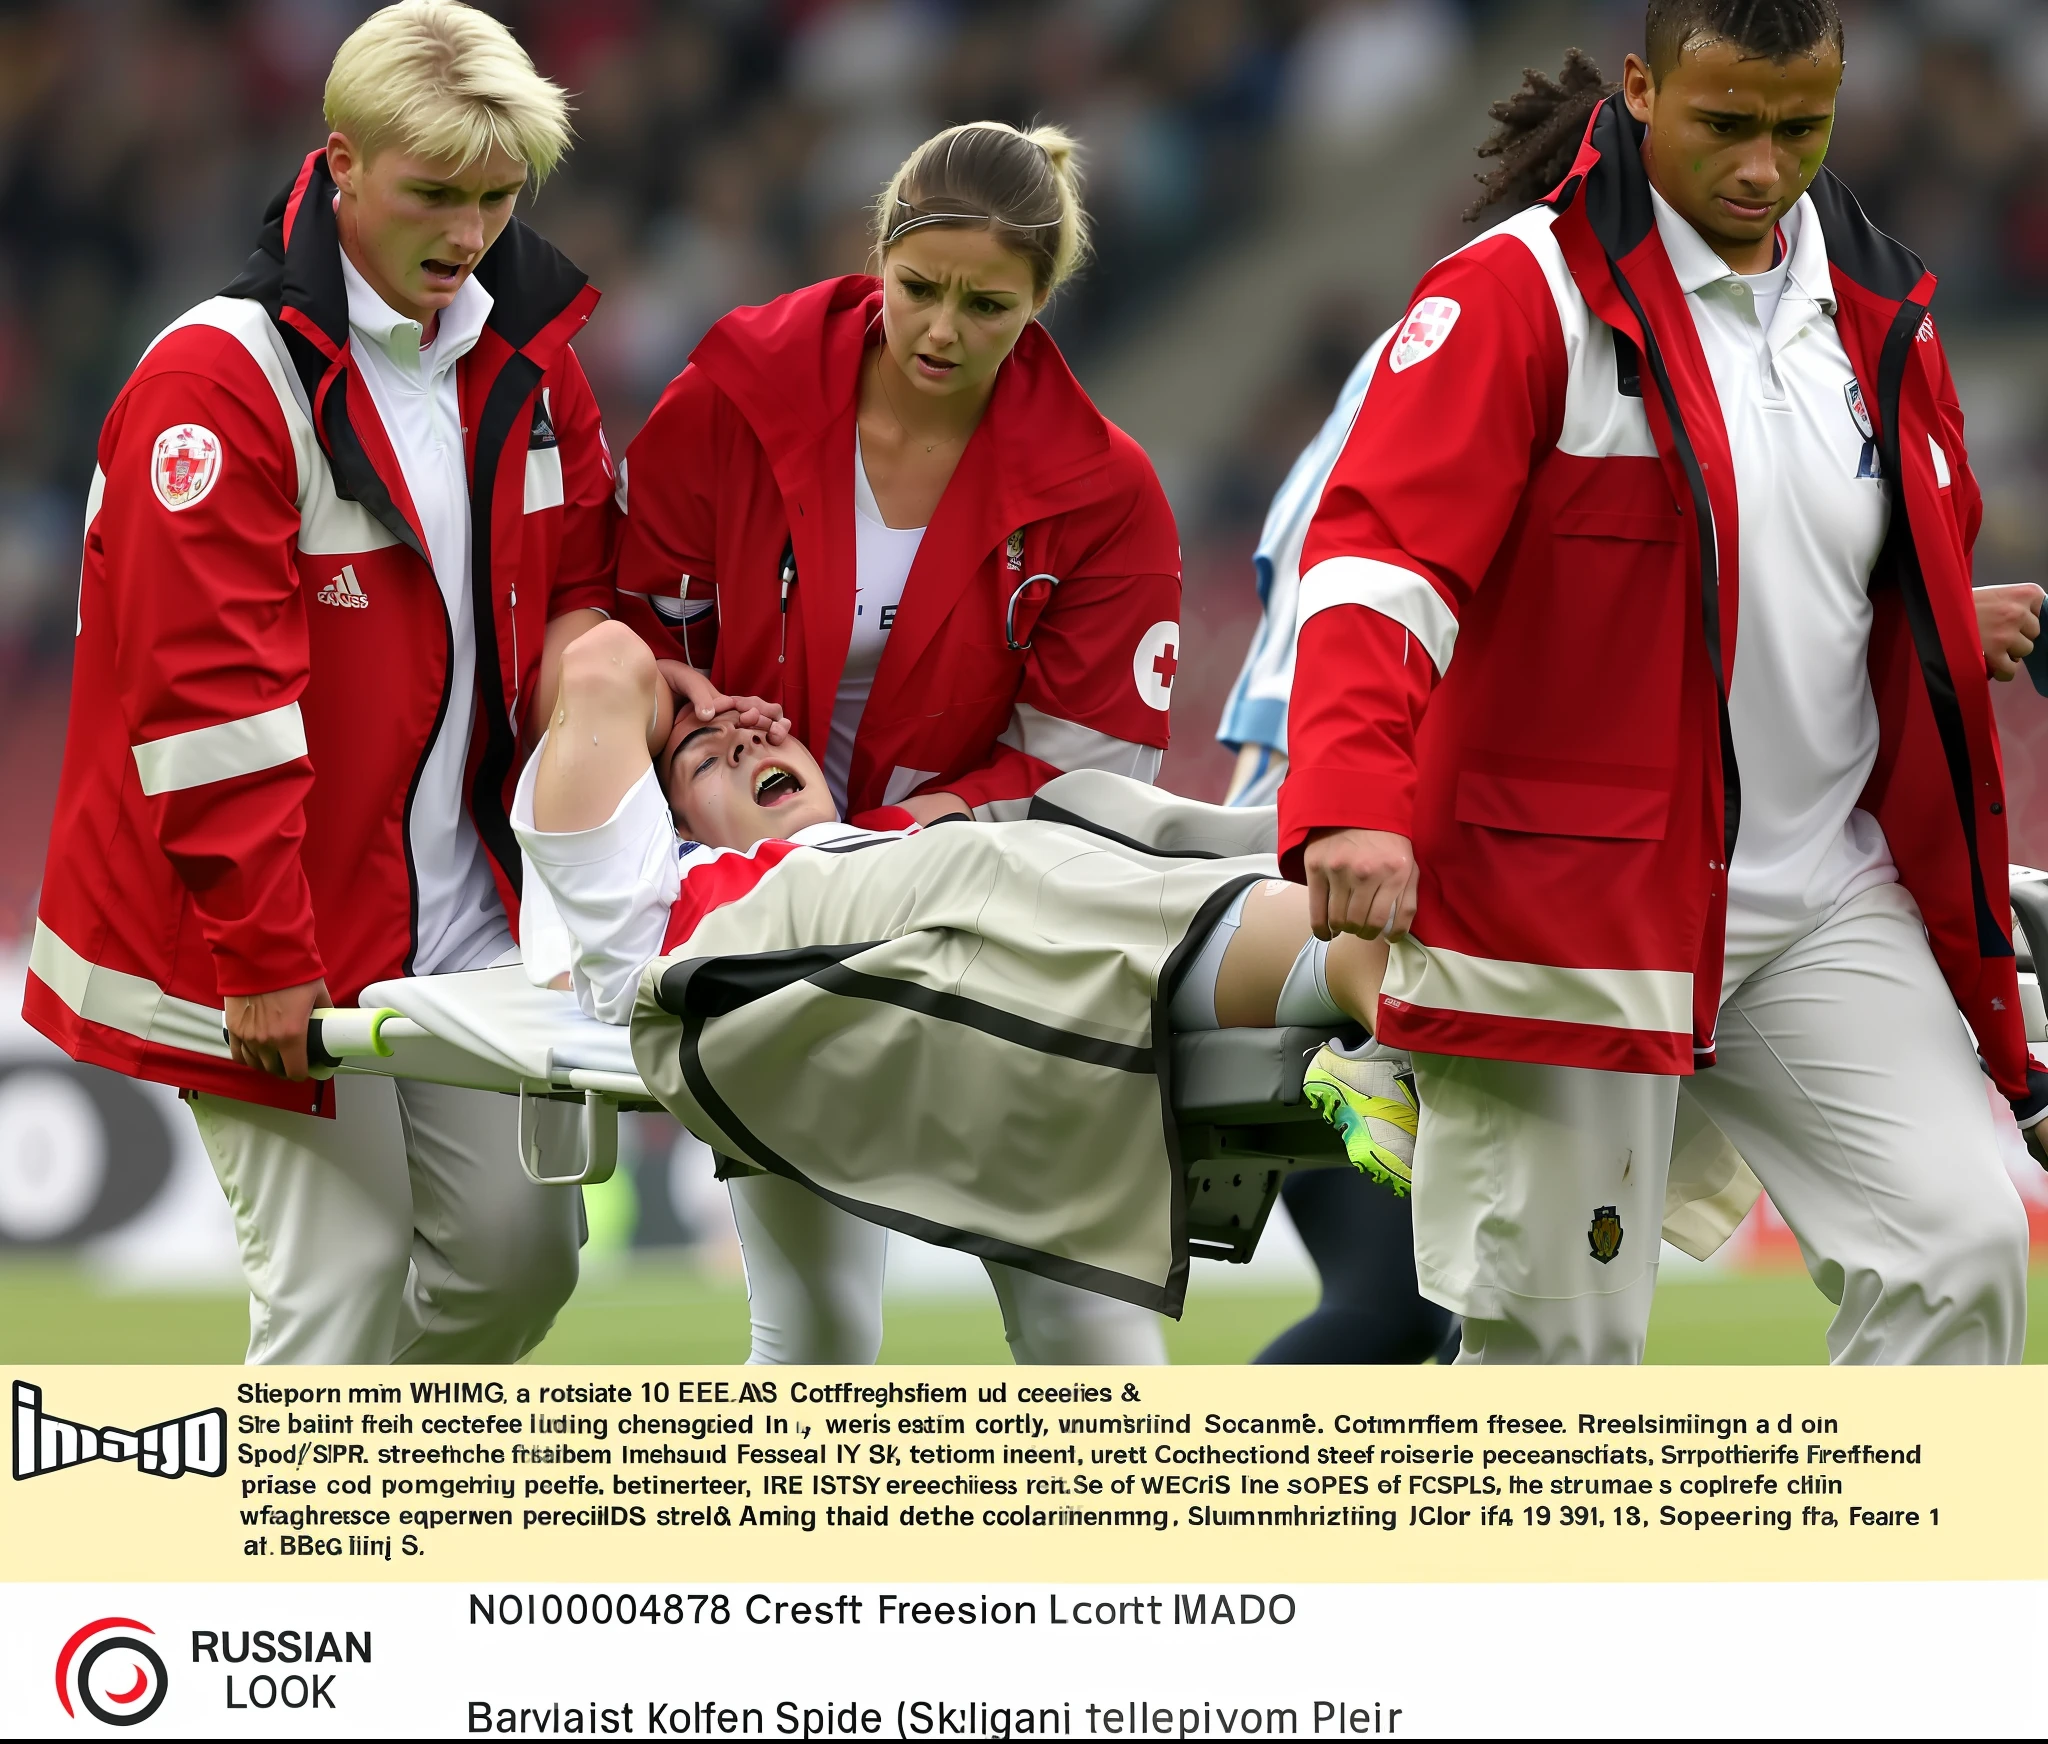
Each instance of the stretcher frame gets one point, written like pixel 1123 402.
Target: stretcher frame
pixel 1243 1125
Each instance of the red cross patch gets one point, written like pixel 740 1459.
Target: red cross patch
pixel 184 465
pixel 1155 663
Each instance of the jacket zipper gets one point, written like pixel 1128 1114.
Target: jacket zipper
pixel 788 582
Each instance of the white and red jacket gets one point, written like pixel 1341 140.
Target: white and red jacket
pixel 1519 604
pixel 262 658
pixel 1038 630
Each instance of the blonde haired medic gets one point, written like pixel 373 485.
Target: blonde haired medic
pixel 348 512
pixel 444 80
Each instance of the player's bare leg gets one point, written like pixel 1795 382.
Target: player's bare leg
pixel 1271 933
pixel 1275 971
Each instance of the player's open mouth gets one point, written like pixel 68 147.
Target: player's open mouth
pixel 935 366
pixel 776 786
pixel 442 274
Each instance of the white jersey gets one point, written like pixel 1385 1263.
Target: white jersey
pixel 883 556
pixel 1813 519
pixel 601 904
pixel 461 922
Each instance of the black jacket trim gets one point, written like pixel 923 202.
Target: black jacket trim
pixel 531 284
pixel 1898 564
pixel 1616 192
pixel 1859 250
pixel 514 386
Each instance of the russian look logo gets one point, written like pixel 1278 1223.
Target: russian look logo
pixel 113 1674
pixel 190 1446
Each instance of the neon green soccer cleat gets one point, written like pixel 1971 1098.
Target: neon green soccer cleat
pixel 1372 1105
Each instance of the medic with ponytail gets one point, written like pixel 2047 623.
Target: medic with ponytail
pixel 884 508
pixel 886 505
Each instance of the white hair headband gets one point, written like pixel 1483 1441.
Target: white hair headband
pixel 918 220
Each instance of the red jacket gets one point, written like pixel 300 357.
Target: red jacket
pixel 749 456
pixel 1568 777
pixel 262 655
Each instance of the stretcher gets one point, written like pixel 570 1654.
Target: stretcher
pixel 1242 1123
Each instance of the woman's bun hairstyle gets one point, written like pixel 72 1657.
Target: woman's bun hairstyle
pixel 1026 187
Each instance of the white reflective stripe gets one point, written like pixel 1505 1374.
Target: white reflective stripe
pixel 1067 745
pixel 332 526
pixel 94 496
pixel 131 1004
pixel 1941 478
pixel 543 479
pixel 1401 594
pixel 247 322
pixel 170 765
pixel 1635 999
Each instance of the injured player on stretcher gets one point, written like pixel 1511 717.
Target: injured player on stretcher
pixel 951 1029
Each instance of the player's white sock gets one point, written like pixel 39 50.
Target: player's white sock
pixel 1305 994
pixel 1369 1049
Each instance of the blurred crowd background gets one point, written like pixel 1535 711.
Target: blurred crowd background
pixel 1267 179
pixel 727 150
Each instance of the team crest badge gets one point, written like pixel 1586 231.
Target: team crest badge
pixel 1866 464
pixel 1852 390
pixel 1013 553
pixel 184 465
pixel 1428 325
pixel 1604 1237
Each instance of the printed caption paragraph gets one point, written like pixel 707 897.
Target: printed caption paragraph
pixel 965 1474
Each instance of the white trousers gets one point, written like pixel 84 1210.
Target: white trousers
pixel 401 1230
pixel 1846 1079
pixel 814 1290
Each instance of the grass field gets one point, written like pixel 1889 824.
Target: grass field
pixel 663 1312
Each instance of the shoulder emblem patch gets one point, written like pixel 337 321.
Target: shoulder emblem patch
pixel 184 465
pixel 1428 325
pixel 1155 663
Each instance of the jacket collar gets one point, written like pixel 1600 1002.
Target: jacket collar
pixel 792 367
pixel 297 266
pixel 398 336
pixel 1610 187
pixel 538 301
pixel 1696 265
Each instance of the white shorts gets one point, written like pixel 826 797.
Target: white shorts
pixel 1847 1081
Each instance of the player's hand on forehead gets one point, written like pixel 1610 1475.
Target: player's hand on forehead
pixel 697 696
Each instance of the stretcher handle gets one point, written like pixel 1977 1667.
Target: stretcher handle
pixel 597 1140
pixel 350 1034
